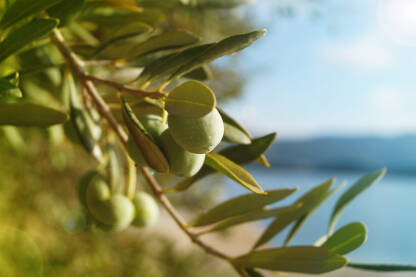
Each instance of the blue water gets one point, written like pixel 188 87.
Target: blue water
pixel 387 208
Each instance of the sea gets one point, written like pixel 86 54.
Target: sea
pixel 388 209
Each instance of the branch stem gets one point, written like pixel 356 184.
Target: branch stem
pixel 86 81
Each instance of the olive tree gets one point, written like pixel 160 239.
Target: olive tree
pixel 128 86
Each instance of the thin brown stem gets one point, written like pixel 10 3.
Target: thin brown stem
pixel 76 66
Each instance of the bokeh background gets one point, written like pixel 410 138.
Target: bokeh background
pixel 334 78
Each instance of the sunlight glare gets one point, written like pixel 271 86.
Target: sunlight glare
pixel 398 20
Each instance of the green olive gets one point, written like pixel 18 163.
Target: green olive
pixel 114 210
pixel 153 124
pixel 181 162
pixel 197 135
pixel 147 211
pixel 135 154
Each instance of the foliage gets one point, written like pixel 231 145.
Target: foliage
pixel 131 84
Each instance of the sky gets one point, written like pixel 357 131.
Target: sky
pixel 336 68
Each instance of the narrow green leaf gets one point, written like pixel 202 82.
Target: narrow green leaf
pixel 383 267
pixel 21 9
pixel 233 171
pixel 299 223
pixel 66 10
pixel 121 35
pixel 168 40
pixel 25 35
pixel 167 65
pixel 240 154
pixel 300 259
pixel 309 201
pixel 216 4
pixel 6 85
pixel 226 46
pixel 30 115
pixel 9 86
pixel 252 216
pixel 191 99
pixel 202 73
pixel 361 185
pixel 247 272
pixel 233 131
pixel 346 239
pixel 87 132
pixel 240 205
pixel 116 171
pixel 150 151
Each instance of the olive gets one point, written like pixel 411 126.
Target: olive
pixel 153 125
pixel 147 210
pixel 181 162
pixel 114 210
pixel 197 135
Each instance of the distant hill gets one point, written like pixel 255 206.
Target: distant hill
pixel 398 154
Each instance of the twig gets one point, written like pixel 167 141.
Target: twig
pixel 76 65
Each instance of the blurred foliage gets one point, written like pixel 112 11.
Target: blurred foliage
pixel 38 195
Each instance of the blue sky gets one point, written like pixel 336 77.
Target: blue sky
pixel 349 71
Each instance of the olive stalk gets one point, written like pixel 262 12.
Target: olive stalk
pixel 77 67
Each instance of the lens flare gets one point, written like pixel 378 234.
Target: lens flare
pixel 398 20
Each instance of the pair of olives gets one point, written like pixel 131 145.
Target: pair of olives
pixel 115 211
pixel 184 141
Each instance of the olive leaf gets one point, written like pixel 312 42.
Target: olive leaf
pixel 361 185
pixel 87 131
pixel 139 109
pixel 233 171
pixel 226 46
pixel 168 40
pixel 116 170
pixel 122 34
pixel 202 73
pixel 6 85
pixel 383 267
pixel 28 115
pixel 66 10
pixel 191 99
pixel 240 154
pixel 254 215
pixel 233 131
pixel 300 259
pixel 150 151
pixel 21 9
pixel 9 87
pixel 309 201
pixel 240 205
pixel 299 223
pixel 247 272
pixel 25 35
pixel 167 65
pixel 346 239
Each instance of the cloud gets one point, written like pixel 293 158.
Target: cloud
pixel 389 110
pixel 398 21
pixel 366 54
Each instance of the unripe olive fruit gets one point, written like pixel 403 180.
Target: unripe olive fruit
pixel 181 162
pixel 153 124
pixel 197 135
pixel 114 210
pixel 147 210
